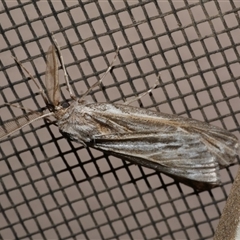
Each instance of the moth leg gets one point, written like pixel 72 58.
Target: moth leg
pixel 17 106
pixel 143 94
pixel 104 75
pixel 60 56
pixel 30 75
pixel 29 111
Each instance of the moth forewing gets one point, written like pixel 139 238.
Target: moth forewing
pixel 186 149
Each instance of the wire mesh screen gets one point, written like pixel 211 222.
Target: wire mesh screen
pixel 52 188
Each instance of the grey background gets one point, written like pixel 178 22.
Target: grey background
pixel 51 188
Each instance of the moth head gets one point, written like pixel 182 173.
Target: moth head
pixel 65 104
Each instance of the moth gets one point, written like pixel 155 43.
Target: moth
pixel 188 150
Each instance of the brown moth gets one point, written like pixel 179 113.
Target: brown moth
pixel 188 150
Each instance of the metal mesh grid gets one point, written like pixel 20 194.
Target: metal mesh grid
pixel 53 188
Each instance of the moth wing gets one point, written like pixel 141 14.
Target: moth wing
pixel 221 143
pixel 181 155
pixel 11 126
pixel 51 77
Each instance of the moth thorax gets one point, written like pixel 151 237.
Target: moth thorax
pixel 59 112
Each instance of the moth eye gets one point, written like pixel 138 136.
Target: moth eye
pixel 65 104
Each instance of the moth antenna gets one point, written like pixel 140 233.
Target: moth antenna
pixel 145 93
pixel 69 88
pixel 104 75
pixel 30 75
